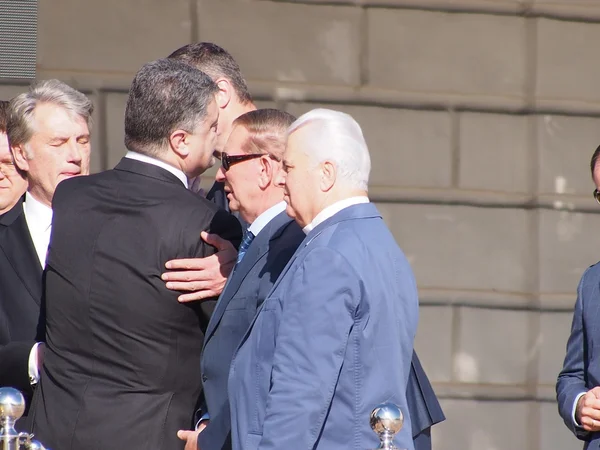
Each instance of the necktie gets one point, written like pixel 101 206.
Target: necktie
pixel 246 241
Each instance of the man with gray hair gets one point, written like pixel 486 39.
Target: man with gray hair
pixel 334 337
pixel 121 361
pixel 48 128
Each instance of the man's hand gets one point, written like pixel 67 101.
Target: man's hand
pixel 203 277
pixel 191 437
pixel 588 410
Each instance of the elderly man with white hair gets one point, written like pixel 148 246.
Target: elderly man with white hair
pixel 334 338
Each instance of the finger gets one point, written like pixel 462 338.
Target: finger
pixel 216 241
pixel 595 392
pixel 186 264
pixel 187 286
pixel 187 275
pixel 589 414
pixel 183 434
pixel 195 296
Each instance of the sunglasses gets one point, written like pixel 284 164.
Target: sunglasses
pixel 229 160
pixel 597 195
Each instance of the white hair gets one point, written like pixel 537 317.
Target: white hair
pixel 337 137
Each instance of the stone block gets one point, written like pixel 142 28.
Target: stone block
pixel 553 432
pixel 110 35
pixel 8 91
pixel 492 346
pixel 408 148
pixel 494 152
pixel 433 342
pixel 566 145
pixel 461 247
pixel 479 425
pixel 115 127
pixel 555 328
pixel 285 41
pixel 565 249
pixel 425 51
pixel 567 63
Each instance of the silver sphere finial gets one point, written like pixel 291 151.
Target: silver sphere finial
pixel 386 420
pixel 12 404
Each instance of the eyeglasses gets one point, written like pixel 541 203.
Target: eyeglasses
pixel 597 195
pixel 229 160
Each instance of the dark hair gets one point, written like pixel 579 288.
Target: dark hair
pixel 267 130
pixel 215 62
pixel 595 157
pixel 165 95
pixel 3 115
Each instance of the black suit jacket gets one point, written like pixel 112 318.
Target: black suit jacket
pixel 245 291
pixel 20 296
pixel 121 361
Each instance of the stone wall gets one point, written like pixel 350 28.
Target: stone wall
pixel 481 116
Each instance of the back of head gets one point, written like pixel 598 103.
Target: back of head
pixel 3 115
pixel 267 129
pixel 21 108
pixel 165 95
pixel 335 136
pixel 217 63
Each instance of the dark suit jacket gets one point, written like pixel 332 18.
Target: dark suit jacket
pixel 20 296
pixel 121 362
pixel 246 288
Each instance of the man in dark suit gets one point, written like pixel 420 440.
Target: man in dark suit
pixel 121 361
pixel 578 384
pixel 205 278
pixel 250 163
pixel 48 129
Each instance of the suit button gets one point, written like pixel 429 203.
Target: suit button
pixel 204 378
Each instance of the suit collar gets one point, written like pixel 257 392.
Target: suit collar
pixel 259 247
pixel 18 248
pixel 147 170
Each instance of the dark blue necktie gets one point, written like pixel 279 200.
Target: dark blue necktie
pixel 246 241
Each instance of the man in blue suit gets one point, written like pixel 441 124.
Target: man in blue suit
pixel 334 337
pixel 578 385
pixel 250 163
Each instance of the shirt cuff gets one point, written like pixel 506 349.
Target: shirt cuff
pixel 32 366
pixel 573 413
pixel 204 417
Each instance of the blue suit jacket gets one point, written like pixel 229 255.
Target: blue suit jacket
pixel 245 291
pixel 333 339
pixel 581 368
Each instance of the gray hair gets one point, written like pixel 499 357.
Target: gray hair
pixel 20 127
pixel 337 137
pixel 165 95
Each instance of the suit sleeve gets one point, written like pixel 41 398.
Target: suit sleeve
pixel 572 378
pixel 317 320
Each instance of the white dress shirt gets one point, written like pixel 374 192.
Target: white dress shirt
pixel 261 221
pixel 333 209
pixel 39 222
pixel 157 162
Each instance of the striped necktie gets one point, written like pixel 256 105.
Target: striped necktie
pixel 248 237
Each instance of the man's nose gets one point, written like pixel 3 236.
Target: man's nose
pixel 220 176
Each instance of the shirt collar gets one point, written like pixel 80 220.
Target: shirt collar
pixel 157 162
pixel 38 215
pixel 332 210
pixel 261 221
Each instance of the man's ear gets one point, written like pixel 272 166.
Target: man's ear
pixel 225 92
pixel 19 154
pixel 268 171
pixel 179 142
pixel 328 175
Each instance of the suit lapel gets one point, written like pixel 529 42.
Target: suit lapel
pixel 257 250
pixel 17 246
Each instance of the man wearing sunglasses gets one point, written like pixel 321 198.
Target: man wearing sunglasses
pixel 250 161
pixel 577 387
